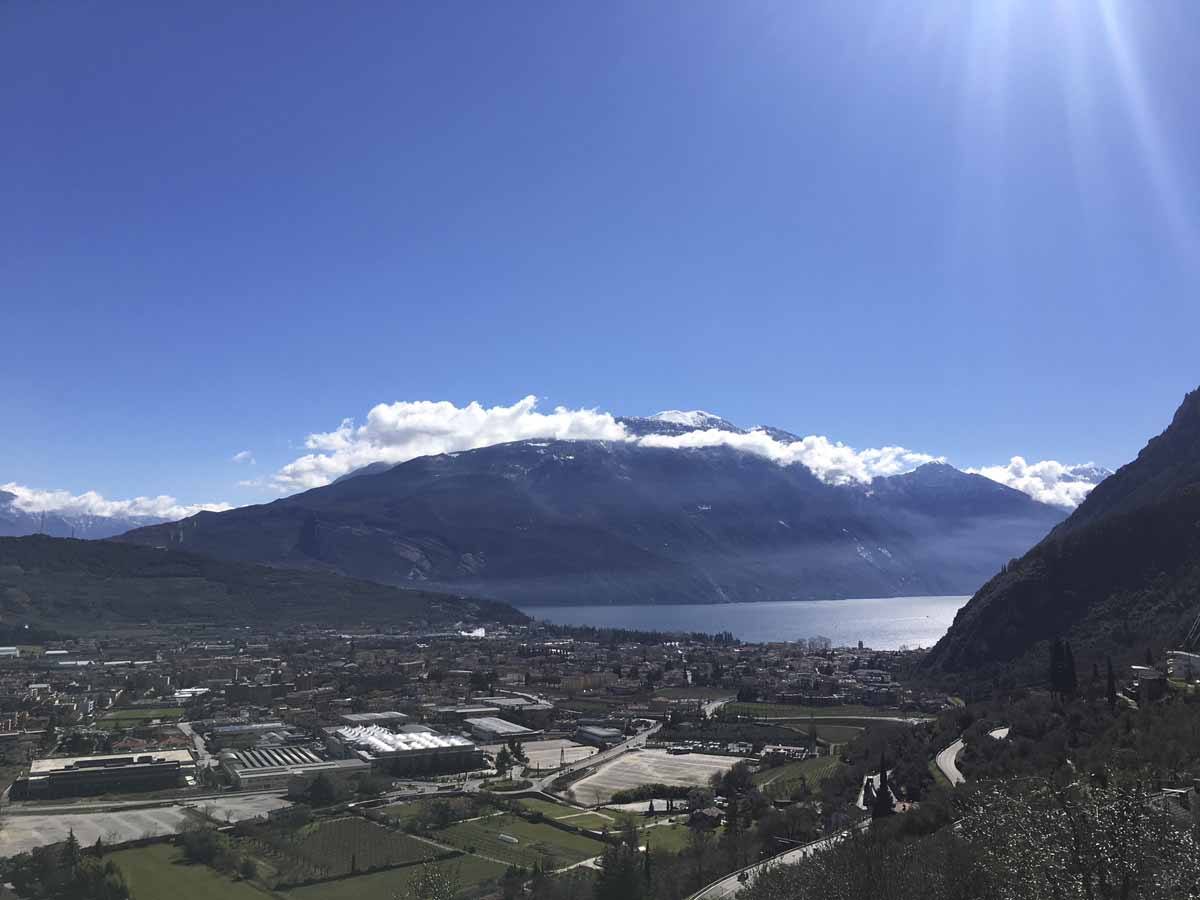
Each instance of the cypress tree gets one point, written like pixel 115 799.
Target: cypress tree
pixel 1112 686
pixel 883 797
pixel 1056 667
pixel 1070 676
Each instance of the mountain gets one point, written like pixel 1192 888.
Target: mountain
pixel 543 522
pixel 73 584
pixel 15 522
pixel 676 421
pixel 1120 574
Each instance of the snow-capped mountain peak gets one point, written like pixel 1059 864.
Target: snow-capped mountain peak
pixel 693 418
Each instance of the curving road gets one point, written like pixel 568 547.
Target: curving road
pixel 734 882
pixel 947 761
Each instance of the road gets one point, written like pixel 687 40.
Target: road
pixel 203 758
pixel 907 720
pixel 733 882
pixel 711 707
pixel 947 761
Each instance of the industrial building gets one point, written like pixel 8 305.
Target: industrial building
pixel 275 768
pixel 106 773
pixel 414 748
pixel 491 730
pixel 389 717
pixel 598 735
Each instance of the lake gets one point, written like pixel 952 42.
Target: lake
pixel 882 623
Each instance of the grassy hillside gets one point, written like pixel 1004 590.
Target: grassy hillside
pixel 76 584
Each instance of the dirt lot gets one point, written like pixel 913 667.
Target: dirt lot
pixel 19 833
pixel 647 767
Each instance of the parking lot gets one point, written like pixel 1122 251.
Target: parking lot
pixel 20 833
pixel 647 767
pixel 550 754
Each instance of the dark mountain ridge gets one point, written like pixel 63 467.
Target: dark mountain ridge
pixel 1118 575
pixel 74 584
pixel 542 522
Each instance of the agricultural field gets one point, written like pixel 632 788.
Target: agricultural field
pixel 438 811
pixel 160 871
pixel 669 838
pixel 592 821
pixel 132 717
pixel 536 842
pixel 469 871
pixel 333 848
pixel 779 782
pixel 548 809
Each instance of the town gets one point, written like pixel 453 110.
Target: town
pixel 549 739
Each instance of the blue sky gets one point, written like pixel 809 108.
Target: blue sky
pixel 966 229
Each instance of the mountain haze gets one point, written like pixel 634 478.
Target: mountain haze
pixel 15 522
pixel 593 521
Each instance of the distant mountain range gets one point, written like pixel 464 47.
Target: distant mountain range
pixel 77 586
pixel 547 521
pixel 1121 574
pixel 15 522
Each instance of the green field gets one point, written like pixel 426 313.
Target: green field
pixel 537 842
pixel 787 711
pixel 591 821
pixel 548 809
pixel 622 816
pixel 838 734
pixel 778 783
pixel 471 871
pixel 131 717
pixel 334 848
pixel 402 813
pixel 159 871
pixel 668 838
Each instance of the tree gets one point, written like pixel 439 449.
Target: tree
pixel 248 869
pixel 882 806
pixel 621 877
pixel 1057 668
pixel 1112 686
pixel 433 883
pixel 71 853
pixel 323 791
pixel 504 761
pixel 1070 676
pixel 517 751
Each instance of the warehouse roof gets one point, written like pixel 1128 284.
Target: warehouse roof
pixel 497 726
pixel 104 761
pixel 379 740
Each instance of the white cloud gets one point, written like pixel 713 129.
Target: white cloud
pixel 90 503
pixel 396 432
pixel 245 456
pixel 833 463
pixel 1049 481
pixel 401 431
